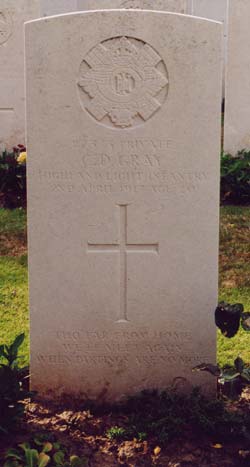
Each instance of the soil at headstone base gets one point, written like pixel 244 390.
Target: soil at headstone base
pixel 85 434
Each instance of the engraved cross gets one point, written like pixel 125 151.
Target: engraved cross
pixel 123 248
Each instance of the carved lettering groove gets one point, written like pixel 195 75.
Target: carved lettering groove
pixel 122 348
pixel 124 166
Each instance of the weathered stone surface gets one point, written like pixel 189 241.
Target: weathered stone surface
pixel 14 14
pixel 216 10
pixel 237 110
pixel 57 7
pixel 12 104
pixel 210 9
pixel 123 119
pixel 178 6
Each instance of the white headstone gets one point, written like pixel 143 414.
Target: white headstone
pixel 216 10
pixel 211 9
pixel 56 7
pixel 237 109
pixel 178 6
pixel 13 13
pixel 123 120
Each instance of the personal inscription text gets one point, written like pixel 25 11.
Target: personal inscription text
pixel 122 348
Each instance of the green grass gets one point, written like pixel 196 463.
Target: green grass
pixel 235 247
pixel 14 302
pixel 229 349
pixel 13 235
pixel 14 279
pixel 12 222
pixel 234 277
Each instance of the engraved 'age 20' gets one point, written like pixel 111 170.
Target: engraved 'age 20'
pixel 123 82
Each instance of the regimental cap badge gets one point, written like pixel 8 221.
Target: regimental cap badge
pixel 123 82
